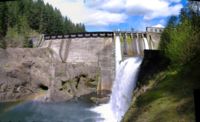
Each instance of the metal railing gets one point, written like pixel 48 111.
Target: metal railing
pixel 80 35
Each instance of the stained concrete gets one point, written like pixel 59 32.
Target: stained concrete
pixel 95 56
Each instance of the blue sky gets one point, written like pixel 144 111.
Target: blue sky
pixel 111 15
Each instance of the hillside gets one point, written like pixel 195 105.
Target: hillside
pixel 22 19
pixel 167 95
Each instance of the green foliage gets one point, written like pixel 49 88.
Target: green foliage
pixel 3 24
pixel 2 43
pixel 180 38
pixel 13 38
pixel 18 19
pixel 170 99
pixel 180 47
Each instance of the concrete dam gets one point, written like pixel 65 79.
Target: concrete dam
pixel 90 73
pixel 93 54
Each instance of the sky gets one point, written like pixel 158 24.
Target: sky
pixel 124 15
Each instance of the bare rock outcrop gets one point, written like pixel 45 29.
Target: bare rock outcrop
pixel 28 72
pixel 21 72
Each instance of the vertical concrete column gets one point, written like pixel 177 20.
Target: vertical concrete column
pixel 133 44
pixel 50 43
pixel 121 35
pixel 40 41
pixel 137 44
pixel 61 50
pixel 67 46
pixel 125 52
pixel 106 66
pixel 64 49
pixel 142 45
pixel 99 88
pixel 130 44
pixel 51 90
pixel 151 42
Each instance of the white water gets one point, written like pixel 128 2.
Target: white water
pixel 137 45
pixel 125 81
pixel 118 54
pixel 124 84
pixel 146 45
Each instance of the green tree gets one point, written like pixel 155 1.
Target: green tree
pixel 166 36
pixel 3 23
pixel 180 39
pixel 18 19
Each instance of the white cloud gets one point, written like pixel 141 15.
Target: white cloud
pixel 159 26
pixel 75 10
pixel 105 18
pixel 113 5
pixel 78 12
pixel 173 1
pixel 106 12
pixel 151 9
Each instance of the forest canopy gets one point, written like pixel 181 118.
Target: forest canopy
pixel 21 18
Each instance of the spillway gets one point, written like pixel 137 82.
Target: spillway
pixel 123 86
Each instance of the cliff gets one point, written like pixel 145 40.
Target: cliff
pixel 59 69
pixel 164 93
pixel 27 73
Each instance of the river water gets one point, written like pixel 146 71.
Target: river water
pixel 72 111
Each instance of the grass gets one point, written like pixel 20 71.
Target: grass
pixel 170 99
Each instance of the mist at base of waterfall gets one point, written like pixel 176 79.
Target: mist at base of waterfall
pixel 72 111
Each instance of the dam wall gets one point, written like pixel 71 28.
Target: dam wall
pixel 134 43
pixel 92 55
pixel 75 56
pixel 68 66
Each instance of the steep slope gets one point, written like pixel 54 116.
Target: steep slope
pixel 165 96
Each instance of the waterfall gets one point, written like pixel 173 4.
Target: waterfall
pixel 118 54
pixel 146 45
pixel 123 86
pixel 125 81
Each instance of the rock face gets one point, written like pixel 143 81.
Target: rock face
pixel 148 67
pixel 21 72
pixel 24 72
pixel 61 69
pixel 73 81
